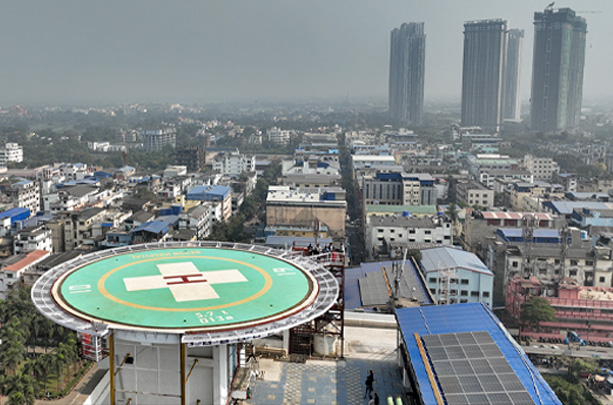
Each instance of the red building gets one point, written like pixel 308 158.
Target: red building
pixel 588 311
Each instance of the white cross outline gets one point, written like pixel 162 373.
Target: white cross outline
pixel 185 281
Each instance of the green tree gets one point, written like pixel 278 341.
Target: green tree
pixel 249 207
pixel 452 212
pixel 536 310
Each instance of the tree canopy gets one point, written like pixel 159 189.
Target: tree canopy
pixel 536 310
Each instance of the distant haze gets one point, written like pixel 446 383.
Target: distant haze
pixel 59 52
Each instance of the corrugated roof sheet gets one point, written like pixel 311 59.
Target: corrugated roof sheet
pixel 26 261
pixel 514 215
pixel 153 227
pixel 567 207
pixel 538 233
pixel 14 212
pixel 450 258
pixel 457 318
pixel 414 209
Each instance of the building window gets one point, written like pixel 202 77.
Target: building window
pixel 432 280
pixel 433 290
pixel 464 293
pixel 573 263
pixel 601 279
pixel 474 293
pixel 464 281
pixel 514 264
pixel 486 294
pixel 463 301
pixel 589 263
pixel 572 273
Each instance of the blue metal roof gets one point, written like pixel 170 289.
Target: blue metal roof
pixel 14 212
pixel 567 207
pixel 449 258
pixel 153 227
pixel 458 318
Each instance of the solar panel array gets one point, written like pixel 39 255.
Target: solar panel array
pixel 472 370
pixel 373 289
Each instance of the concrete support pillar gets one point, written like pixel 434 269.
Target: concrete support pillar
pixel 286 341
pixel 220 374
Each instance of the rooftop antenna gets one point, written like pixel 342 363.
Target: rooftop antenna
pixel 565 234
pixel 528 223
pixel 550 6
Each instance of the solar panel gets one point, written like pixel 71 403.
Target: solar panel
pixel 522 398
pixel 457 399
pixel 471 369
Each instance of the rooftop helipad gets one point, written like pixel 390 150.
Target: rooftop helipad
pixel 186 288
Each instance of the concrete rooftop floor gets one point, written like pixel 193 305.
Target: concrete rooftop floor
pixel 334 382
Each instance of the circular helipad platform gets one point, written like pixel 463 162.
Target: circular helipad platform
pixel 187 288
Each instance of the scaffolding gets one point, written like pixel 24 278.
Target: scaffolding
pixel 331 325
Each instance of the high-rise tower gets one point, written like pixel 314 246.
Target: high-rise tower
pixel 406 77
pixel 485 52
pixel 511 101
pixel 557 69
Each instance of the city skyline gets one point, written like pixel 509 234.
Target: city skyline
pixel 153 51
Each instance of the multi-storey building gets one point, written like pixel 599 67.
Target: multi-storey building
pixel 386 234
pixel 12 152
pixel 511 100
pixel 14 268
pixel 406 73
pixel 587 311
pixel 34 238
pixel 455 276
pixel 193 157
pixel 557 69
pixel 218 195
pixel 485 52
pixel 157 139
pixel 540 167
pixel 233 163
pixel 25 194
pixel 473 193
pixel 307 207
pixel 279 136
pixel 399 189
pixel 196 219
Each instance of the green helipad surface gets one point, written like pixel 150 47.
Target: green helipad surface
pixel 186 289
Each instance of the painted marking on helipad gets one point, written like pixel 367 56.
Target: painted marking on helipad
pixel 186 289
pixel 185 281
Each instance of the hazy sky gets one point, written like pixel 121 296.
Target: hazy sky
pixel 200 51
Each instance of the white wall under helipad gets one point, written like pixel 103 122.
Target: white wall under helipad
pixel 172 316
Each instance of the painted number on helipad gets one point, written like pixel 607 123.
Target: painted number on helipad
pixel 283 271
pixel 74 289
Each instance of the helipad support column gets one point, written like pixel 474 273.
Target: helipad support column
pixel 112 368
pixel 220 378
pixel 182 373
